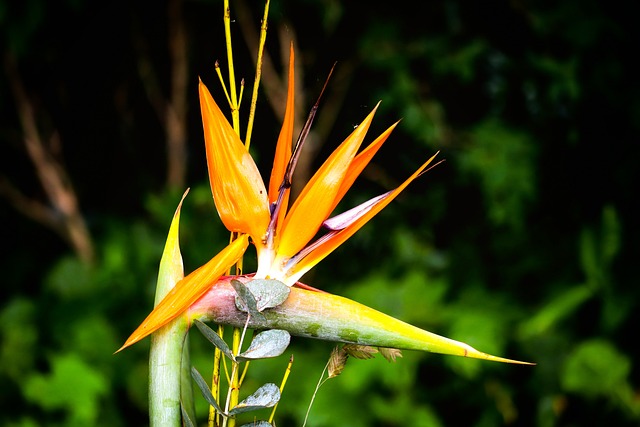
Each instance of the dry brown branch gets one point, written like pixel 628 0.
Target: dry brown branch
pixel 62 213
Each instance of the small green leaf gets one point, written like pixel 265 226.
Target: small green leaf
pixel 73 385
pixel 265 397
pixel 215 339
pixel 245 300
pixel 269 343
pixel 204 389
pixel 268 293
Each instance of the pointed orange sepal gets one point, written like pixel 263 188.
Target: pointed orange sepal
pixel 317 199
pixel 330 244
pixel 237 187
pixel 361 161
pixel 285 140
pixel 189 290
pixel 283 148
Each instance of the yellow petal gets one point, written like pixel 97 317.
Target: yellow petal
pixel 317 199
pixel 189 290
pixel 326 247
pixel 237 187
pixel 283 148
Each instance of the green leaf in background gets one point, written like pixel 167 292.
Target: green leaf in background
pixel 72 385
pixel 18 337
pixel 596 368
pixel 557 309
pixel 70 278
pixel 504 159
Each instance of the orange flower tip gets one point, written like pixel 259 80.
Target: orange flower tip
pixel 127 343
pixel 139 334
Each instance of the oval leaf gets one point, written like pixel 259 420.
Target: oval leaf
pixel 269 343
pixel 245 301
pixel 265 397
pixel 214 339
pixel 268 293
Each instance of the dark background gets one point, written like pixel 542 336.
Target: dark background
pixel 523 243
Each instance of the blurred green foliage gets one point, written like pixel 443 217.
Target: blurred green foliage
pixel 523 243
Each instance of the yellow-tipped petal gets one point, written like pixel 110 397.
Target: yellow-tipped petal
pixel 326 247
pixel 189 290
pixel 317 199
pixel 237 187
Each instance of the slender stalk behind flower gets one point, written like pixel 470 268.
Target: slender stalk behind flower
pixel 166 355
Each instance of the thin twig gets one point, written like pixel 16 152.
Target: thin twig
pixel 62 214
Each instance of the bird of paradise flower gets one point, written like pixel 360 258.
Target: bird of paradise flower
pixel 284 240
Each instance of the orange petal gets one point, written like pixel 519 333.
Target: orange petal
pixel 188 290
pixel 316 201
pixel 237 187
pixel 283 148
pixel 328 245
pixel 360 162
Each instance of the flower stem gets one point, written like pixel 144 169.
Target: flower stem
pixel 235 116
pixel 166 355
pixel 214 417
pixel 282 384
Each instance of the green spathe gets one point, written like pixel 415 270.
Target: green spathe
pixel 329 317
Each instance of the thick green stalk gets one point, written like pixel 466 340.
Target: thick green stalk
pixel 166 356
pixel 332 318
